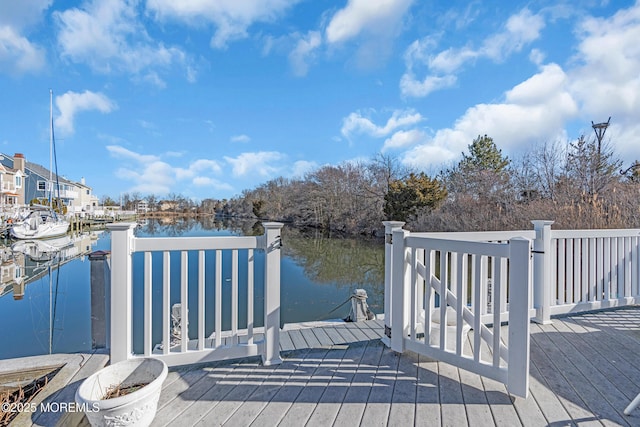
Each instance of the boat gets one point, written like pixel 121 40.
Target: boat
pixel 40 224
pixel 42 221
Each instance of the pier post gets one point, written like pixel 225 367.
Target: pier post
pixel 542 271
pixel 121 267
pixel 272 243
pixel 100 296
pixel 519 329
pixel 400 295
pixel 389 228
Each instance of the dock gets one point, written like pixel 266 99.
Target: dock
pixel 80 224
pixel 584 372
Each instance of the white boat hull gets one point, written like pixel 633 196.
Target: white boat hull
pixel 38 226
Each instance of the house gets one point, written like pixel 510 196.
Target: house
pixel 169 205
pixel 142 207
pixel 33 181
pixel 11 188
pixel 86 202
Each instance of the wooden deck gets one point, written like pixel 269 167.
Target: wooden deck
pixel 585 370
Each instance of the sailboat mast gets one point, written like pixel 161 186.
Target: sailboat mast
pixel 50 311
pixel 50 147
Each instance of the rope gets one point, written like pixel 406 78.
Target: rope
pixel 348 299
pixel 358 297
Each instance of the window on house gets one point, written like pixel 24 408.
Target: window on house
pixel 18 181
pixel 42 185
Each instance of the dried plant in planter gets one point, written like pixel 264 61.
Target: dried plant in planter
pixel 21 396
pixel 120 390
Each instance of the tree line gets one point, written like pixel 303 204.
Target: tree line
pixel 577 185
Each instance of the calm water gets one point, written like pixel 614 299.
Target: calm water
pixel 318 274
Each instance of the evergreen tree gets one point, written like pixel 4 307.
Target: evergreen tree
pixel 406 197
pixel 483 173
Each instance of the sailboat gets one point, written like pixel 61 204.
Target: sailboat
pixel 43 222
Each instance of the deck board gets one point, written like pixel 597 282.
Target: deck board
pixel 314 380
pixel 584 371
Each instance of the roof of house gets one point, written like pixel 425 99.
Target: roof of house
pixel 39 170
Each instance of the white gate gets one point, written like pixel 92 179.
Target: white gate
pixel 463 285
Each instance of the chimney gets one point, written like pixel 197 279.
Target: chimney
pixel 19 162
pixel 82 181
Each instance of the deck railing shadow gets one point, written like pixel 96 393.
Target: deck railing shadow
pixel 583 368
pixel 367 378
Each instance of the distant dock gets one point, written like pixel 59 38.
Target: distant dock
pixel 80 224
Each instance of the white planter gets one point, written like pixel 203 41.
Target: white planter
pixel 134 409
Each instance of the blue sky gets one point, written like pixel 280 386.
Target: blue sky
pixel 206 98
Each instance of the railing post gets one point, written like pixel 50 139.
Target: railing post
pixel 400 304
pixel 272 243
pixel 542 282
pixel 519 282
pixel 389 228
pixel 121 265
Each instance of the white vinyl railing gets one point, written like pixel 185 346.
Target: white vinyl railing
pixel 573 270
pixel 221 344
pixel 438 286
pixel 442 288
pixel 593 269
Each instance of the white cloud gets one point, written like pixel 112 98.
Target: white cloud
pixel 304 52
pixel 410 86
pixel 72 103
pixel 203 181
pixel 121 152
pixel 24 13
pixel 404 138
pixel 151 175
pixel 18 54
pixel 109 37
pixel 373 25
pixel 450 60
pixel 537 56
pixel 458 18
pixel 601 80
pixel 232 18
pixel 606 79
pixel 535 110
pixel 205 164
pixel 255 163
pixel 520 29
pixel 426 155
pixel 302 167
pixel 197 167
pixel 360 16
pixel 240 138
pixel 356 123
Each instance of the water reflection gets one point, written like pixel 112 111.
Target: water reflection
pixel 319 272
pixel 325 259
pixel 25 261
pixel 346 262
pixel 45 313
